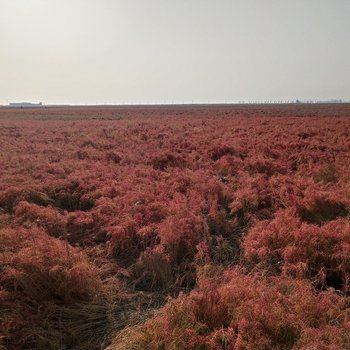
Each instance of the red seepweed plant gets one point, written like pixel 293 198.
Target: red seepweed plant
pixel 105 212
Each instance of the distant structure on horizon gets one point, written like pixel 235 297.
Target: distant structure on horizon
pixel 331 101
pixel 320 101
pixel 25 104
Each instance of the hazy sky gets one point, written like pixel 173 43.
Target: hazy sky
pixel 114 51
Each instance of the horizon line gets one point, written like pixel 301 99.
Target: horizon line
pixel 25 104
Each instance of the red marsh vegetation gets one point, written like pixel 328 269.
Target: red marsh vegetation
pixel 189 227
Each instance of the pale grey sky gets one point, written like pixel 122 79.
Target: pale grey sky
pixel 114 51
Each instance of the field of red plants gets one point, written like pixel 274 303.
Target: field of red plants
pixel 189 227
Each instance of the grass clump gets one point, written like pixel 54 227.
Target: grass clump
pixel 236 311
pixel 52 296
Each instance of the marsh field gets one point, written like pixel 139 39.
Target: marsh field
pixel 175 227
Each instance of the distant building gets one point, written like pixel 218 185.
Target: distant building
pixel 332 101
pixel 25 104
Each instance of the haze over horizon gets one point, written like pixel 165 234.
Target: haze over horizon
pixel 111 52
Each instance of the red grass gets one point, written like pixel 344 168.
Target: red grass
pixel 95 203
pixel 235 311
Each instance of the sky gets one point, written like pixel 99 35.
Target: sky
pixel 166 51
